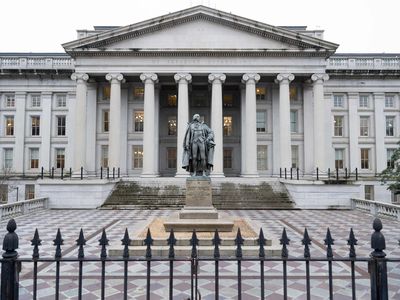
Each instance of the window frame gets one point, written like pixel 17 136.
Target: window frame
pixel 9 99
pixel 294 122
pixel 105 124
pixel 33 161
pixel 61 128
pixel 228 125
pixel 389 130
pixel 35 126
pixel 137 157
pixel 262 129
pixel 365 160
pixel 36 101
pixel 262 160
pixel 60 158
pixel 364 126
pixel 335 101
pixel 295 159
pixel 9 130
pixel 171 158
pixel 363 101
pixel 339 161
pixel 61 99
pixel 227 159
pixel 172 126
pixel 389 99
pixel 338 126
pixel 138 124
pixel 6 162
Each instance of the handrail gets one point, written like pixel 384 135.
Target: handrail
pixel 24 207
pixel 376 208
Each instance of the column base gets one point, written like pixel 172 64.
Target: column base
pixel 182 175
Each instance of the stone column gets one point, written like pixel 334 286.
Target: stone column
pixel 354 132
pixel 149 80
pixel 319 122
pixel 114 136
pixel 251 125
pixel 216 122
pixel 284 121
pixel 183 79
pixel 80 122
pixel 243 130
pixel 380 132
pixel 19 124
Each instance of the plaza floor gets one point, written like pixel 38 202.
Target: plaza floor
pixel 93 221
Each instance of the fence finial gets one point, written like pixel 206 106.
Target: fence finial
pixel 148 242
pixel 36 242
pixel 306 241
pixel 239 242
pixel 171 243
pixel 194 242
pixel 216 242
pixel 329 241
pixel 378 240
pixel 261 242
pixel 58 242
pixel 103 242
pixel 352 241
pixel 81 242
pixel 10 242
pixel 126 241
pixel 284 240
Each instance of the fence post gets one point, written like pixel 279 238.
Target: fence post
pixel 101 172
pixel 285 174
pixel 317 173
pixel 81 173
pixel 52 172
pixel 356 174
pixel 329 173
pixel 291 173
pixel 108 173
pixel 62 173
pixel 297 173
pixel 10 267
pixel 280 172
pixel 41 173
pixel 345 170
pixel 113 172
pixel 377 265
pixel 337 174
pixel 119 172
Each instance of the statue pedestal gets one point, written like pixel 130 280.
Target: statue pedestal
pixel 198 214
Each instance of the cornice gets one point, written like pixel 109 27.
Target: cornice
pixel 202 52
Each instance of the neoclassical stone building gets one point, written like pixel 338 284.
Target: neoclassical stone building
pixel 276 97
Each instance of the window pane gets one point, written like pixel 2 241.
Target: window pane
pixel 293 121
pixel 227 158
pixel 261 121
pixel 261 93
pixel 339 158
pixel 227 126
pixel 60 158
pixel 364 101
pixel 61 100
pixel 35 126
pixel 138 93
pixel 293 93
pixel 389 160
pixel 172 125
pixel 171 158
pixel 389 101
pixel 10 101
pixel 228 100
pixel 295 156
pixel 338 125
pixel 29 191
pixel 34 158
pixel 137 156
pixel 139 121
pixel 262 157
pixel 338 100
pixel 35 100
pixel 172 100
pixel 389 126
pixel 10 125
pixel 104 156
pixel 8 158
pixel 61 125
pixel 106 120
pixel 364 126
pixel 364 158
pixel 106 92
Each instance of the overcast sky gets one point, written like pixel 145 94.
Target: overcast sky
pixel 43 25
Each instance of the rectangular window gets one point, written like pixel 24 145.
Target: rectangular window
pixel 295 156
pixel 172 125
pixel 8 158
pixel 228 100
pixel 60 158
pixel 139 121
pixel 338 125
pixel 3 193
pixel 293 93
pixel 61 125
pixel 339 158
pixel 35 100
pixel 106 92
pixel 138 93
pixel 10 101
pixel 104 156
pixel 261 93
pixel 364 101
pixel 227 158
pixel 171 158
pixel 227 126
pixel 172 100
pixel 29 191
pixel 389 160
pixel 137 157
pixel 61 100
pixel 338 101
pixel 365 158
pixel 369 192
pixel 389 101
pixel 293 121
pixel 10 125
pixel 389 126
pixel 35 126
pixel 34 158
pixel 106 120
pixel 262 157
pixel 364 126
pixel 261 121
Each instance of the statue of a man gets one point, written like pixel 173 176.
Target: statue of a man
pixel 198 148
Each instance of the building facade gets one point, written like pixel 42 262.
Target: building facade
pixel 275 97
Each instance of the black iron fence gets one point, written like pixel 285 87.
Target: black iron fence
pixel 377 263
pixel 330 175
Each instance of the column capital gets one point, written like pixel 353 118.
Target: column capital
pixel 285 77
pixel 80 77
pixel 149 77
pixel 215 77
pixel 250 78
pixel 112 77
pixel 183 77
pixel 319 77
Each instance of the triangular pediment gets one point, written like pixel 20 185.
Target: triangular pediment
pixel 199 29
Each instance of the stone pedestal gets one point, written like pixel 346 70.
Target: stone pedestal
pixel 198 213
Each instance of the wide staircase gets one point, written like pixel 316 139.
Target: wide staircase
pixel 228 193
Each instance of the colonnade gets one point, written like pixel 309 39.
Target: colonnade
pixel 249 132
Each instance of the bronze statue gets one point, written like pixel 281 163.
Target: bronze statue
pixel 198 148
